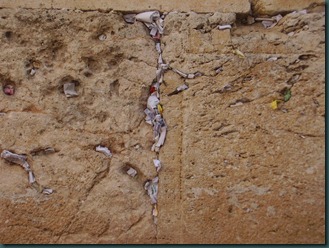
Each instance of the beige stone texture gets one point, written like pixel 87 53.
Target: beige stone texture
pixel 227 6
pixel 273 7
pixel 235 171
pixel 248 171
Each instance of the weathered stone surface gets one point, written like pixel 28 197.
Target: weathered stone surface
pixel 95 201
pixel 241 165
pixel 227 6
pixel 26 4
pixel 234 170
pixel 273 7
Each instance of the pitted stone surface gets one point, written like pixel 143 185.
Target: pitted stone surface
pixel 273 7
pixel 234 170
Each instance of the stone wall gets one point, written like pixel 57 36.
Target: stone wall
pixel 236 6
pixel 235 170
pixel 228 6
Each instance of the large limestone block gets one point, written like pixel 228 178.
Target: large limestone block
pixel 214 41
pixel 25 4
pixel 272 7
pixel 236 6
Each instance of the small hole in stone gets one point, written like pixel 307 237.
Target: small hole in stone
pixel 8 34
pixel 87 73
pixel 9 89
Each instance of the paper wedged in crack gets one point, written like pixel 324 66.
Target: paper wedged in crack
pixel 222 27
pixel 42 151
pixel 22 161
pixel 69 90
pixel 179 89
pixel 152 102
pixel 158 47
pixel 47 191
pixel 31 177
pixel 149 116
pixel 152 189
pixel 184 75
pixel 131 172
pixel 161 139
pixel 157 164
pixel 130 18
pixel 155 211
pixel 26 166
pixel 104 150
pixel 148 17
pixel 182 87
pixel 14 158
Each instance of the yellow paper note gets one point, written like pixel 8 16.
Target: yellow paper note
pixel 155 210
pixel 239 53
pixel 160 109
pixel 274 104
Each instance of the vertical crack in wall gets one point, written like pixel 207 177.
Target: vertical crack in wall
pixel 229 163
pixel 154 22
